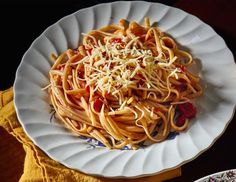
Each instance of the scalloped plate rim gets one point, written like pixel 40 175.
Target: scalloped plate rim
pixel 122 176
pixel 214 174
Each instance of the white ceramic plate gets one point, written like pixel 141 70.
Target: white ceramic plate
pixel 223 176
pixel 215 108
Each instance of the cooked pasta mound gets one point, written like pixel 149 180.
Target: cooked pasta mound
pixel 124 85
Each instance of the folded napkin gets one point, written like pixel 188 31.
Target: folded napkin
pixel 37 166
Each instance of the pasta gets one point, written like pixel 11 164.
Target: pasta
pixel 124 85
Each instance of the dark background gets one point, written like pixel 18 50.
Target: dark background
pixel 22 22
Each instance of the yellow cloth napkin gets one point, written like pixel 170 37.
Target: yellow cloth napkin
pixel 37 165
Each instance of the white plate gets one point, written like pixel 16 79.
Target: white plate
pixel 215 108
pixel 223 176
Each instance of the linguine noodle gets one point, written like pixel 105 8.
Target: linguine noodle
pixel 125 84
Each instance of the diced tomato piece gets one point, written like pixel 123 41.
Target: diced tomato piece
pixel 180 120
pixel 98 105
pixel 188 110
pixel 116 40
pixel 182 68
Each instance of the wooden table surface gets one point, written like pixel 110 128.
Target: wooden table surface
pixel 22 22
pixel 12 153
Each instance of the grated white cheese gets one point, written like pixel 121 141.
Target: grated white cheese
pixel 112 69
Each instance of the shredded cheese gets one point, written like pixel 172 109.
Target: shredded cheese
pixel 112 68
